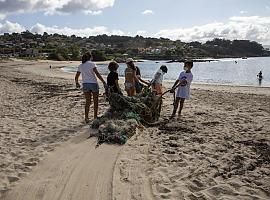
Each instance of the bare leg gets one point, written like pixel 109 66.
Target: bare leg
pixel 128 92
pixel 131 92
pixel 87 96
pixel 95 98
pixel 181 106
pixel 176 104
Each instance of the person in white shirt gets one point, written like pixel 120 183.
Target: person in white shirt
pixel 183 84
pixel 88 70
pixel 156 83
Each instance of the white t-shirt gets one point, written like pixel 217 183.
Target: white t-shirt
pixel 88 75
pixel 158 78
pixel 184 91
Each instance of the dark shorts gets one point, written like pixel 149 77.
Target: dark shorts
pixel 90 87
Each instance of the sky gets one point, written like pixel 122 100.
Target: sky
pixel 185 20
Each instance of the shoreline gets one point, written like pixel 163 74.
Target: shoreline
pixel 193 83
pixel 42 68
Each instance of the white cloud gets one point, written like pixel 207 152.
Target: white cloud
pixel 117 32
pixel 267 7
pixel 239 27
pixel 148 12
pixel 243 12
pixel 250 28
pixel 2 16
pixel 141 32
pixel 9 27
pixel 8 7
pixel 89 12
pixel 84 32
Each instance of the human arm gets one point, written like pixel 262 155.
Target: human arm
pixel 77 79
pixel 181 81
pixel 139 78
pixel 143 81
pixel 175 84
pixel 99 76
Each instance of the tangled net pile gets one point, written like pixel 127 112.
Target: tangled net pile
pixel 125 114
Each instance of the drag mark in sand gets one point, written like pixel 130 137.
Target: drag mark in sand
pixel 76 170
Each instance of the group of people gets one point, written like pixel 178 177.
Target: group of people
pixel 133 82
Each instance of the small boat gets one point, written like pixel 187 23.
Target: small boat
pixel 244 57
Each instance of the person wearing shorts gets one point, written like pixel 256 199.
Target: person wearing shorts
pixel 89 72
pixel 156 83
pixel 183 87
pixel 130 78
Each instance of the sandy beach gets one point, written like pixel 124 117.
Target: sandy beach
pixel 218 149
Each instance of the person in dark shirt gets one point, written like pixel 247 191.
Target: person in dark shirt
pixel 260 75
pixel 112 78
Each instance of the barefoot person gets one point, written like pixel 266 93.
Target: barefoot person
pixel 112 78
pixel 130 78
pixel 183 85
pixel 156 83
pixel 90 87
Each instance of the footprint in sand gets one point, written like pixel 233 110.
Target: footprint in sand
pixel 165 196
pixel 221 190
pixel 169 151
pixel 31 160
pixel 12 179
pixel 172 144
pixel 30 164
pixel 162 189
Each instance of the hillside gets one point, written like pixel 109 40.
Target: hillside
pixel 62 47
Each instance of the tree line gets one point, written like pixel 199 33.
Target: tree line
pixel 104 47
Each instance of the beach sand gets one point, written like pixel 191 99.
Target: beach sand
pixel 218 149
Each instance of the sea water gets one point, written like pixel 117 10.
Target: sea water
pixel 227 71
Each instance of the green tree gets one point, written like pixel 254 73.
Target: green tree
pixel 75 52
pixel 98 55
pixel 59 54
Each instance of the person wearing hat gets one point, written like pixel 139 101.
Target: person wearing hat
pixel 130 77
pixel 156 83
